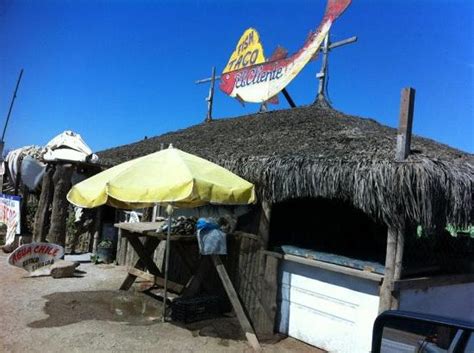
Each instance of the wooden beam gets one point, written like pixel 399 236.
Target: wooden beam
pixel 194 284
pixel 234 299
pixel 407 106
pixel 371 276
pixel 173 286
pixel 144 252
pixel 422 283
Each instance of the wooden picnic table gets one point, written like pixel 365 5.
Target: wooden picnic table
pixel 146 268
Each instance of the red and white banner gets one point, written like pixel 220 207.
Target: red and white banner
pixel 261 82
pixel 10 216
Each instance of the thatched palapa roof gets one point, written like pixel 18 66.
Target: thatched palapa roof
pixel 319 152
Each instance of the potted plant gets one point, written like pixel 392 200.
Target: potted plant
pixel 105 251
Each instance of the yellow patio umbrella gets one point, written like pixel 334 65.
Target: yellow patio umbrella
pixel 171 177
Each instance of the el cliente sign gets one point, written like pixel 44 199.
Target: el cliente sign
pixel 35 256
pixel 248 77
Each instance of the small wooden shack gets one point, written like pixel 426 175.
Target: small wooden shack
pixel 342 230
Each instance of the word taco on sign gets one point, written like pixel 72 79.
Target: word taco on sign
pixel 34 256
pixel 249 51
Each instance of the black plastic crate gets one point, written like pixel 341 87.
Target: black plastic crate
pixel 196 309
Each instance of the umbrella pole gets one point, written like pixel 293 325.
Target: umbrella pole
pixel 167 257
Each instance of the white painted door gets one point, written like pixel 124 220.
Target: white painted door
pixel 326 309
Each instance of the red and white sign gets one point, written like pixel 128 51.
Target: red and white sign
pixel 35 256
pixel 10 215
pixel 262 82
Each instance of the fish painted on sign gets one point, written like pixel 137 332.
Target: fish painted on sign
pixel 260 82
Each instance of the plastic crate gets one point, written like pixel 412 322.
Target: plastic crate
pixel 189 310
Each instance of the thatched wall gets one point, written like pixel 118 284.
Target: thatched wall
pixel 317 152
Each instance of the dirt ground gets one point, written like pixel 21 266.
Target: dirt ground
pixel 89 314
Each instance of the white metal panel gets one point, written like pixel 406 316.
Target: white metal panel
pixel 329 310
pixel 455 301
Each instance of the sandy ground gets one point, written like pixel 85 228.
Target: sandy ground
pixel 89 314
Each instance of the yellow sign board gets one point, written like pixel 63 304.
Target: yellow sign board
pixel 249 51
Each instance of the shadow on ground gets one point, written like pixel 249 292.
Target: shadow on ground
pixel 129 307
pixel 225 328
pixel 65 308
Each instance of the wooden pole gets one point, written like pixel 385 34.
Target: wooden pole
pixel 62 183
pixel 210 97
pixel 396 236
pixel 11 107
pixel 407 107
pixel 322 74
pixel 42 216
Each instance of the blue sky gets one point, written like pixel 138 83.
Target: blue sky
pixel 116 71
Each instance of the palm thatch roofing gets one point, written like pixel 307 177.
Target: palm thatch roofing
pixel 314 151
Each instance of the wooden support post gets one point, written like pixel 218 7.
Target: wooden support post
pixel 62 184
pixel 234 299
pixel 97 230
pixel 393 268
pixel 269 293
pixel 322 74
pixel 266 273
pixel 386 288
pixel 24 210
pixel 407 106
pixel 398 266
pixel 264 223
pixel 42 216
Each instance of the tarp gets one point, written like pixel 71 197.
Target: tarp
pixel 68 146
pixel 32 172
